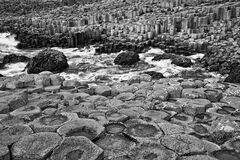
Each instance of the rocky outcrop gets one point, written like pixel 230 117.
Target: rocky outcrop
pixel 234 75
pixel 154 75
pixel 127 58
pixel 47 60
pixel 176 59
pixel 35 146
pixel 140 118
pixel 77 148
pixel 13 58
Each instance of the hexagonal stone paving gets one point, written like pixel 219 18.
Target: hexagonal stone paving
pixel 115 145
pixel 152 151
pixel 51 123
pixel 4 153
pixel 77 148
pixel 36 146
pixel 29 111
pixel 12 134
pixel 183 144
pixel 198 157
pixel 142 130
pixel 81 127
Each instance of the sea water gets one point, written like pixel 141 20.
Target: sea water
pixel 90 67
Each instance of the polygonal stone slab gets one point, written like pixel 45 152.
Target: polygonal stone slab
pixel 174 91
pixel 152 150
pixel 198 157
pixel 30 111
pixel 213 95
pixel 172 105
pixel 156 116
pixel 233 101
pixel 4 108
pixel 13 121
pixel 126 96
pixel 52 89
pixel 182 119
pixel 196 106
pixel 4 153
pixel 115 116
pixel 115 145
pixel 142 130
pixel 12 134
pixel 18 101
pixel 233 144
pixel 56 80
pixel 225 154
pixel 77 148
pixel 114 128
pixel 51 123
pixel 81 127
pixel 210 146
pixel 35 146
pixel 183 144
pixel 192 93
pixel 159 95
pixel 42 80
pixel 103 90
pixel 171 128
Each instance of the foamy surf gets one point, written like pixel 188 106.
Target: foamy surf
pixel 13 69
pixel 97 67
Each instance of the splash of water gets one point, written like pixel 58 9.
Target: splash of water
pixel 8 40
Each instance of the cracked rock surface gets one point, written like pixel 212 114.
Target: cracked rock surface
pixel 134 123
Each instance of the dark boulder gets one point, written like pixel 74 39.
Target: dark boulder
pixel 127 58
pixel 162 56
pixel 182 61
pixel 47 60
pixel 154 75
pixel 234 75
pixel 13 58
pixel 176 59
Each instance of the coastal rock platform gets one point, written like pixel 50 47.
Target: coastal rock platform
pixel 168 118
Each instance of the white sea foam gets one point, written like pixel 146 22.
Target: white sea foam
pixel 13 69
pixel 87 56
pixel 8 39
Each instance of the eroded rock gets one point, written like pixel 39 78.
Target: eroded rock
pixel 36 146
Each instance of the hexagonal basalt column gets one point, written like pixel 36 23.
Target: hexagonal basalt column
pixel 81 127
pixel 198 157
pixel 73 148
pixel 12 134
pixel 53 122
pixel 29 111
pixel 193 93
pixel 196 106
pixel 183 144
pixel 115 145
pixel 222 154
pixel 35 146
pixel 4 153
pixel 142 130
pixel 233 144
pixel 151 150
pixel 233 101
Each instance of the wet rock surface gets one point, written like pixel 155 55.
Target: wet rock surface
pixel 127 58
pixel 72 148
pixel 35 146
pixel 47 60
pixel 169 118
